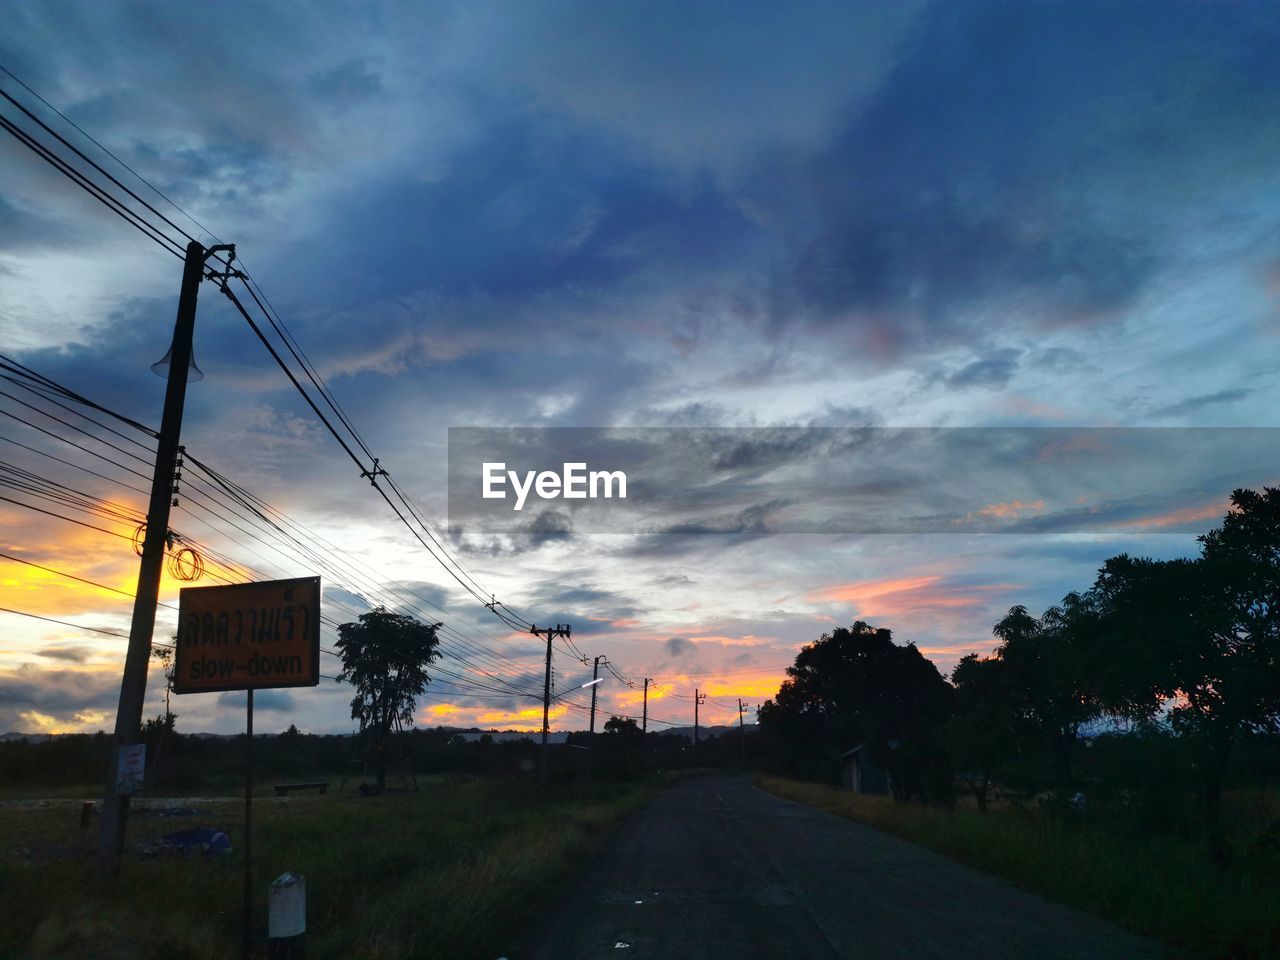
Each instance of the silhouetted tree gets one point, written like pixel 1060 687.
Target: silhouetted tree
pixel 1046 676
pixel 164 657
pixel 1201 639
pixel 987 728
pixel 855 686
pixel 385 657
pixel 622 727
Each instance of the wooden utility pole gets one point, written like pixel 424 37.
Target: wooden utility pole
pixel 559 630
pixel 743 731
pixel 133 682
pixel 595 675
pixel 697 701
pixel 644 716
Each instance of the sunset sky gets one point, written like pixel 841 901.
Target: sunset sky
pixel 785 216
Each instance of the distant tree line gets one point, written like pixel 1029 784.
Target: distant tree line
pixel 1155 678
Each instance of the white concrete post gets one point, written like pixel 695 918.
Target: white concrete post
pixel 287 917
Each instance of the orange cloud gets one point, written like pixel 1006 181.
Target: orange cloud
pixel 1070 447
pixel 746 689
pixel 1177 518
pixel 903 595
pixel 529 719
pixel 1014 508
pixel 746 640
pixel 458 715
pixel 633 698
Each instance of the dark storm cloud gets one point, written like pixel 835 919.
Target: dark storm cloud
pixel 677 647
pixel 275 701
pixel 1196 404
pixel 991 167
pixel 22 229
pixel 753 520
pixel 433 593
pixel 995 369
pixel 763 449
pixel 346 598
pixel 74 654
pixel 354 80
pixel 61 694
pixel 1059 360
pixel 756 482
pixel 588 607
pixel 579 595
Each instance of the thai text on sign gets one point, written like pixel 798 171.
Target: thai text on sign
pixel 248 635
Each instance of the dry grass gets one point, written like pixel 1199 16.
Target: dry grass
pixel 452 871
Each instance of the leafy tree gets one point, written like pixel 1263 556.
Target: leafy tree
pixel 986 729
pixel 1047 677
pixel 158 733
pixel 385 657
pixel 1200 639
pixel 164 657
pixel 622 727
pixel 855 686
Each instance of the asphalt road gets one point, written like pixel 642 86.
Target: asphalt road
pixel 715 869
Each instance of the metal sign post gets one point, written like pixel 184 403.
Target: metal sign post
pixel 248 636
pixel 246 911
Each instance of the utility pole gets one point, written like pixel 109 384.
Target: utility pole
pixel 644 717
pixel 595 675
pixel 697 700
pixel 742 730
pixel 559 630
pixel 133 683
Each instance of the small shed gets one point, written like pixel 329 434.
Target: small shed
pixel 860 774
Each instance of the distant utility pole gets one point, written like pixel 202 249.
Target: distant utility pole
pixel 742 730
pixel 595 675
pixel 644 717
pixel 698 698
pixel 559 630
pixel 133 683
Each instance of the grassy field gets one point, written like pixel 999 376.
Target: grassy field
pixel 451 871
pixel 1159 885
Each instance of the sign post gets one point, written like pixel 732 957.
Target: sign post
pixel 248 636
pixel 246 909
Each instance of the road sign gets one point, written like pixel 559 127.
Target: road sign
pixel 248 636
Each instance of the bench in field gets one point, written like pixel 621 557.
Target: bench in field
pixel 283 789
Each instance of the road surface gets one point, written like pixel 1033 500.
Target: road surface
pixel 716 869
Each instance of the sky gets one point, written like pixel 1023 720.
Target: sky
pixel 785 217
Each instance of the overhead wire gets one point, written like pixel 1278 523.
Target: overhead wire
pixel 43 387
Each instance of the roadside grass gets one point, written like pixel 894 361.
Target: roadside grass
pixel 453 871
pixel 1158 884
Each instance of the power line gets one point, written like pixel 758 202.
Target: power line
pixel 150 186
pixel 137 218
pixel 73 626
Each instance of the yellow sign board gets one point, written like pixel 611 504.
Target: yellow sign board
pixel 248 635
